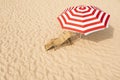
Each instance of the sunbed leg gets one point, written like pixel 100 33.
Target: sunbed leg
pixel 54 48
pixel 69 41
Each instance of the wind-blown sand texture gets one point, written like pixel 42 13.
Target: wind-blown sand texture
pixel 25 27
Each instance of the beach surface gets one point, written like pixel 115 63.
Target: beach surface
pixel 27 25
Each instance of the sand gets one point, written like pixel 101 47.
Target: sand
pixel 25 27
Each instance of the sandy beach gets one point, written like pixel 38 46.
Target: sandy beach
pixel 25 27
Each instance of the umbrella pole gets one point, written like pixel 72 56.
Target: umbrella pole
pixel 80 36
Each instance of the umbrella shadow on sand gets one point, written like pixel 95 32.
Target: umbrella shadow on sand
pixel 101 35
pixel 97 36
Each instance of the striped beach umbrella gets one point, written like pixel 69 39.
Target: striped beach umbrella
pixel 84 19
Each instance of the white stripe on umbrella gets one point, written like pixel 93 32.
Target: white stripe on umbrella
pixel 82 10
pixel 82 13
pixel 94 31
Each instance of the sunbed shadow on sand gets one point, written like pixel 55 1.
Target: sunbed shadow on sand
pixel 101 35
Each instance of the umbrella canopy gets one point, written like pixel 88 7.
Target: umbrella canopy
pixel 84 19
